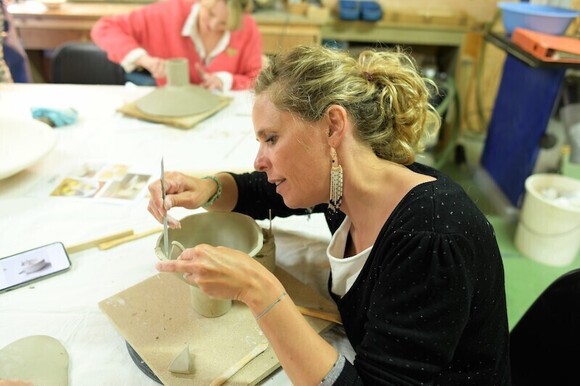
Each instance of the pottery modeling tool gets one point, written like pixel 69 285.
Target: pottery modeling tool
pixel 96 242
pixel 223 377
pixel 131 237
pixel 323 315
pixel 165 232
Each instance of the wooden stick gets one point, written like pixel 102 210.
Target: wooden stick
pixel 95 243
pixel 126 239
pixel 227 374
pixel 329 316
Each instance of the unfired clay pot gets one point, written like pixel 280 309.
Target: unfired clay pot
pixel 178 98
pixel 228 229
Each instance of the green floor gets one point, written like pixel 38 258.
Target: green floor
pixel 525 278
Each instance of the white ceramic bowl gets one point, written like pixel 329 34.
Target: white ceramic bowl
pixel 23 142
pixel 53 4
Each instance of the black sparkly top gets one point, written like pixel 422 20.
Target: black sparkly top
pixel 429 305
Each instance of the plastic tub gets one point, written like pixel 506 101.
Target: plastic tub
pixel 548 230
pixel 541 18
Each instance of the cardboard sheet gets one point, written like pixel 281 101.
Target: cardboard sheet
pixel 157 320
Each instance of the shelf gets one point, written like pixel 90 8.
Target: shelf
pixel 505 43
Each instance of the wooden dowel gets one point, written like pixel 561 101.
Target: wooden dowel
pixel 328 316
pixel 227 374
pixel 95 243
pixel 126 239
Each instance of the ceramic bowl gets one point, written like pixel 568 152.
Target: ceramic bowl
pixel 23 142
pixel 53 4
pixel 227 229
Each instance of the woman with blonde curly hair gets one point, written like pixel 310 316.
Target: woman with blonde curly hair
pixel 415 269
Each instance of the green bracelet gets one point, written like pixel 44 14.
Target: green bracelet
pixel 217 194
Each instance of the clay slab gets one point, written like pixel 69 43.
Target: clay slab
pixel 39 359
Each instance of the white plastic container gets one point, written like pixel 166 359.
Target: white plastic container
pixel 548 230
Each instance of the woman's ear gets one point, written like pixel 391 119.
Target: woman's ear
pixel 337 124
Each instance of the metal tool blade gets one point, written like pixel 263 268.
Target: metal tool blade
pixel 165 229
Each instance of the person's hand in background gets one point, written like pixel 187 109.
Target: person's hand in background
pixel 156 66
pixel 209 80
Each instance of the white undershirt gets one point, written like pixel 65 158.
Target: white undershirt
pixel 344 270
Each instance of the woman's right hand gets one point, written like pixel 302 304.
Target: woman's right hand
pixel 180 191
pixel 156 66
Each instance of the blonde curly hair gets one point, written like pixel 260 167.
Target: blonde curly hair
pixel 382 91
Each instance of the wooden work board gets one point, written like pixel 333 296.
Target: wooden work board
pixel 155 317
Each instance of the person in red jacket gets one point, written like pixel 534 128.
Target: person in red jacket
pixel 219 38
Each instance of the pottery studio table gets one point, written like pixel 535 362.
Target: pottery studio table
pixel 66 306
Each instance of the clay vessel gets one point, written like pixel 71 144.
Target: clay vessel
pixel 228 229
pixel 178 98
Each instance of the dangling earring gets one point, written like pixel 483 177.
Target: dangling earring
pixel 336 184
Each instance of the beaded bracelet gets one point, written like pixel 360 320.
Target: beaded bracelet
pixel 270 306
pixel 217 194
